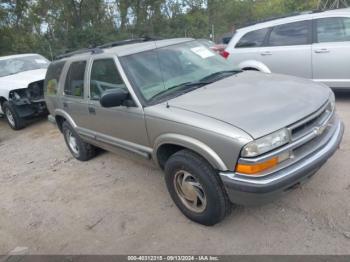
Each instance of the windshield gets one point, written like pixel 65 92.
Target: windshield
pixel 16 65
pixel 166 72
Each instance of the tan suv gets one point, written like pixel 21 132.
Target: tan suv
pixel 221 135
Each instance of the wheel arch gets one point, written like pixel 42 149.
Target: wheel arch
pixel 61 116
pixel 168 144
pixel 254 65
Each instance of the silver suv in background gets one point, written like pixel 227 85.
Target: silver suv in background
pixel 315 45
pixel 219 134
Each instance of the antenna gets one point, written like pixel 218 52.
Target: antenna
pixel 332 4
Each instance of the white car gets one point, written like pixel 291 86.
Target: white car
pixel 21 88
pixel 313 45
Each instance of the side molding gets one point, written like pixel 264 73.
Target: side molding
pixel 190 143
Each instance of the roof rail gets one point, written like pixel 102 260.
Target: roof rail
pixel 99 49
pixel 128 41
pixel 95 50
pixel 280 17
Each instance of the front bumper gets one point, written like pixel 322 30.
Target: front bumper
pixel 256 191
pixel 28 109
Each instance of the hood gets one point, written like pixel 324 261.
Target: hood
pixel 255 102
pixel 22 79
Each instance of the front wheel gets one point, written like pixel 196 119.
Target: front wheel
pixel 196 188
pixel 79 149
pixel 12 118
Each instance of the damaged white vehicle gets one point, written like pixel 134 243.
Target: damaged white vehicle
pixel 21 88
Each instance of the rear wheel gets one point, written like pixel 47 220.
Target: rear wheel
pixel 79 149
pixel 13 119
pixel 196 188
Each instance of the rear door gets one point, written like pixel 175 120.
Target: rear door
pixel 74 95
pixel 331 51
pixel 287 49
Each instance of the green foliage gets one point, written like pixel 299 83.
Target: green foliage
pixel 51 27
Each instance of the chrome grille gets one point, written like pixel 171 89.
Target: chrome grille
pixel 308 125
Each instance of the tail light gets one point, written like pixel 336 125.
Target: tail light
pixel 224 54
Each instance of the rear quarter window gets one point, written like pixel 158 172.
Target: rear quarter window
pixel 52 77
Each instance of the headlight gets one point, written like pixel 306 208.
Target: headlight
pixel 266 143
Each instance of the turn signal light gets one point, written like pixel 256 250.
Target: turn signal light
pixel 252 169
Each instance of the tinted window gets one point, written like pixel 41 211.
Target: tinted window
pixel 253 39
pixel 74 85
pixel 290 34
pixel 333 30
pixel 104 76
pixel 52 77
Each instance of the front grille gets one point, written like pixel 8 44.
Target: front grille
pixel 307 125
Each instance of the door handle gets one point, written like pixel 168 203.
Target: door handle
pixel 322 51
pixel 65 104
pixel 92 110
pixel 266 53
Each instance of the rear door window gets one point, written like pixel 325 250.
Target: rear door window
pixel 104 76
pixel 52 77
pixel 74 85
pixel 253 39
pixel 333 29
pixel 297 33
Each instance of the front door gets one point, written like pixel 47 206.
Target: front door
pixel 118 126
pixel 288 49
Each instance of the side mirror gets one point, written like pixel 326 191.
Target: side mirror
pixel 113 97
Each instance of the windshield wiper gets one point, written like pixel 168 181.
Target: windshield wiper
pixel 220 74
pixel 186 87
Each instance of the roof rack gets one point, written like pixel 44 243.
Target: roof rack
pixel 80 51
pixel 128 41
pixel 280 17
pixel 99 49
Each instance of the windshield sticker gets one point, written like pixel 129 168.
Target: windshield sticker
pixel 40 61
pixel 202 52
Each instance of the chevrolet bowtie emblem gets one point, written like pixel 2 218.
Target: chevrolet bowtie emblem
pixel 318 130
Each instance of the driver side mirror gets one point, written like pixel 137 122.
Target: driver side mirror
pixel 113 97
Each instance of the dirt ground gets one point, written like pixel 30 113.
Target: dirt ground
pixel 118 204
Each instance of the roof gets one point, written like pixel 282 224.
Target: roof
pixel 15 56
pixel 295 17
pixel 127 49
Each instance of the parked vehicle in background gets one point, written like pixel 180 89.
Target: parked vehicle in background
pixel 219 134
pixel 22 88
pixel 313 45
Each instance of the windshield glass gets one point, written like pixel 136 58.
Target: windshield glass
pixel 172 69
pixel 16 65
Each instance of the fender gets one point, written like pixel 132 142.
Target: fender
pixel 60 112
pixel 256 65
pixel 192 144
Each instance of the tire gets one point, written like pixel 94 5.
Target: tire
pixel 196 188
pixel 12 118
pixel 79 149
